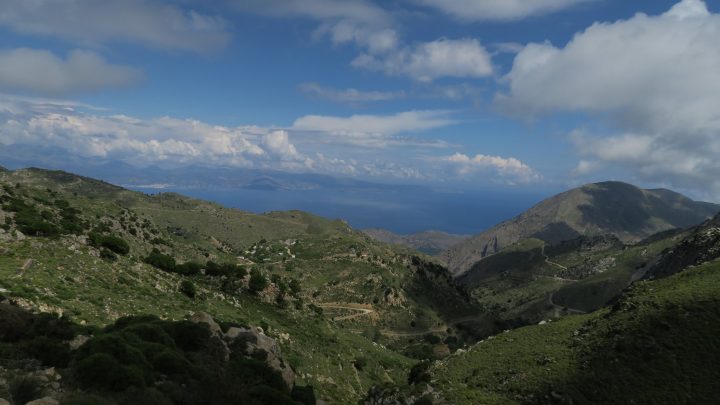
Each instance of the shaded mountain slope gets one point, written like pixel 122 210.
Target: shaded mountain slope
pixel 615 208
pixel 655 344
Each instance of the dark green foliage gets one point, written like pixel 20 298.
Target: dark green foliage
pixel 110 242
pixel 147 360
pixel 419 373
pixel 188 268
pixel 188 288
pixel 224 269
pixel 304 395
pixel 49 351
pixel 160 261
pixel 294 286
pixel 257 282
pixel 171 363
pixel 108 255
pixel 101 371
pixel 28 219
pixel 359 363
pixel 25 389
pixel 420 351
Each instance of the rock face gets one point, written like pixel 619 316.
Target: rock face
pixel 610 208
pixel 251 342
pixel 702 245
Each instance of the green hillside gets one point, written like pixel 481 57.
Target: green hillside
pixel 609 208
pixel 654 345
pixel 332 297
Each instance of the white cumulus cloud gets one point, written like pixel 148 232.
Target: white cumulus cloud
pixel 508 169
pixel 479 10
pixel 427 61
pixel 652 80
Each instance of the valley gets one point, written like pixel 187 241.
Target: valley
pixel 350 314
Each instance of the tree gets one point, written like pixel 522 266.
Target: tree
pixel 188 288
pixel 257 282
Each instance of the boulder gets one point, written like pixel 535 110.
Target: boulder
pixel 204 317
pixel 256 341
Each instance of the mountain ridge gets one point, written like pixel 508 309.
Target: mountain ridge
pixel 611 207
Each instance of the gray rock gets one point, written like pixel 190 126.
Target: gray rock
pixel 78 341
pixel 257 341
pixel 203 317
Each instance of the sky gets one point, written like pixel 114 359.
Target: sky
pixel 472 94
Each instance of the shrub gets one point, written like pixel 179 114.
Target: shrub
pixel 170 363
pixel 108 255
pixel 188 288
pixel 305 395
pixel 188 268
pixel 25 389
pixel 359 363
pixel 257 282
pixel 160 261
pixel 294 286
pixel 110 242
pixel 419 373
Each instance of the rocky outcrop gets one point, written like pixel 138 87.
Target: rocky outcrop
pixel 250 342
pixel 701 246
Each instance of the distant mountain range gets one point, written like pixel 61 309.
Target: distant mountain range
pixel 191 177
pixel 614 208
pixel 430 242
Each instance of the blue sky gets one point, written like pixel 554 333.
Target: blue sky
pixel 471 94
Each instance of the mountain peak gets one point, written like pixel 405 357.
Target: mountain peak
pixel 611 207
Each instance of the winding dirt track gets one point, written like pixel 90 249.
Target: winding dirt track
pixel 364 310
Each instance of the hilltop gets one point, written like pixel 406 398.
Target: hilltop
pixel 619 209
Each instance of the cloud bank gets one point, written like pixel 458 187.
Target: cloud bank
pixel 93 23
pixel 652 80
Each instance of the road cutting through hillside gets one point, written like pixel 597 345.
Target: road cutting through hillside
pixel 364 310
pixel 547 259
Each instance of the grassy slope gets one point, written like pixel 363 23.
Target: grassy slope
pixel 332 263
pixel 655 345
pixel 580 275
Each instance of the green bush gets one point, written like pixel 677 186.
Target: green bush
pixel 419 373
pixel 294 286
pixel 170 363
pixel 188 288
pixel 108 255
pixel 304 395
pixel 188 268
pixel 257 282
pixel 25 389
pixel 160 261
pixel 110 242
